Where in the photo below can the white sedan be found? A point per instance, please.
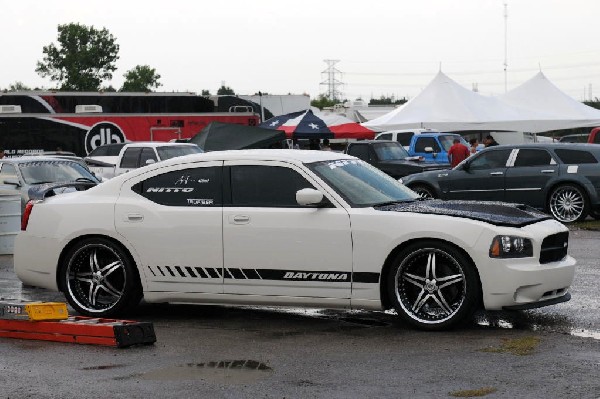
(290, 228)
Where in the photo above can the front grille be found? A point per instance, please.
(554, 247)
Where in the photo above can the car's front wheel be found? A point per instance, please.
(99, 278)
(424, 192)
(433, 286)
(568, 203)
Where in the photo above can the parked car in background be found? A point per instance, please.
(289, 228)
(561, 179)
(25, 173)
(134, 155)
(574, 138)
(403, 136)
(433, 147)
(390, 157)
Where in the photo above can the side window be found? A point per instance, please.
(99, 151)
(532, 157)
(131, 157)
(575, 156)
(197, 187)
(384, 136)
(404, 138)
(424, 142)
(266, 186)
(490, 160)
(7, 171)
(360, 151)
(147, 154)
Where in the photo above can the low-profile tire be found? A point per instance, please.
(99, 279)
(568, 203)
(424, 191)
(433, 285)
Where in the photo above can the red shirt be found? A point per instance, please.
(458, 153)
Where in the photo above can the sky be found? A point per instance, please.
(382, 47)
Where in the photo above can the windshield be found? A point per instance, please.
(54, 172)
(447, 140)
(168, 152)
(360, 184)
(390, 151)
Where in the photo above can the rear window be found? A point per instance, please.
(169, 152)
(575, 156)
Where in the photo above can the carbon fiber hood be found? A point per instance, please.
(496, 213)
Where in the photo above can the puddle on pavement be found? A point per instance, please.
(224, 372)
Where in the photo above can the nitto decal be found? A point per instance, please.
(200, 201)
(103, 133)
(170, 189)
(315, 276)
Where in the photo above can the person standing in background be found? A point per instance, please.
(457, 153)
(473, 143)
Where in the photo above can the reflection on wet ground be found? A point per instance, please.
(225, 371)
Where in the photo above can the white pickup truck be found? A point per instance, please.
(114, 159)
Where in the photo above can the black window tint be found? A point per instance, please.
(265, 186)
(113, 150)
(131, 157)
(404, 138)
(424, 142)
(575, 156)
(489, 160)
(101, 151)
(147, 154)
(187, 187)
(360, 151)
(532, 157)
(386, 136)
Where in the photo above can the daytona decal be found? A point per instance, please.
(263, 274)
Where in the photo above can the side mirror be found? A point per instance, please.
(13, 182)
(309, 197)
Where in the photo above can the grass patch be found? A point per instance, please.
(586, 225)
(518, 346)
(473, 393)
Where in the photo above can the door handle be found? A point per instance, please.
(135, 217)
(496, 173)
(548, 171)
(239, 219)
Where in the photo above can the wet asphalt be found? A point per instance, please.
(258, 352)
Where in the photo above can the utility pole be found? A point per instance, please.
(333, 84)
(505, 46)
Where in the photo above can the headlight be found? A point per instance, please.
(511, 247)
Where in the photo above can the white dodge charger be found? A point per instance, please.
(290, 228)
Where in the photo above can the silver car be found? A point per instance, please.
(25, 173)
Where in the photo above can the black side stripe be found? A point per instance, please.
(271, 274)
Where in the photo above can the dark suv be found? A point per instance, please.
(390, 157)
(561, 179)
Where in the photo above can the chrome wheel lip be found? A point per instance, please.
(98, 280)
(431, 286)
(567, 204)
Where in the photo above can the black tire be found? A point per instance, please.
(99, 279)
(424, 191)
(414, 287)
(568, 203)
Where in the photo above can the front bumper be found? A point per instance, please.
(566, 297)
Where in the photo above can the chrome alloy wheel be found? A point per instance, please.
(96, 277)
(567, 204)
(423, 192)
(430, 285)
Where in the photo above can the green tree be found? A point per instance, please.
(141, 78)
(225, 90)
(17, 86)
(205, 92)
(323, 101)
(82, 59)
(387, 101)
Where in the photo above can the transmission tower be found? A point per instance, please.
(331, 81)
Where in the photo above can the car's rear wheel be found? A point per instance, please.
(568, 203)
(433, 286)
(424, 192)
(99, 278)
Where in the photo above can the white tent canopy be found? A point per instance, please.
(446, 105)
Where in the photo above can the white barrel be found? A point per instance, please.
(10, 220)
